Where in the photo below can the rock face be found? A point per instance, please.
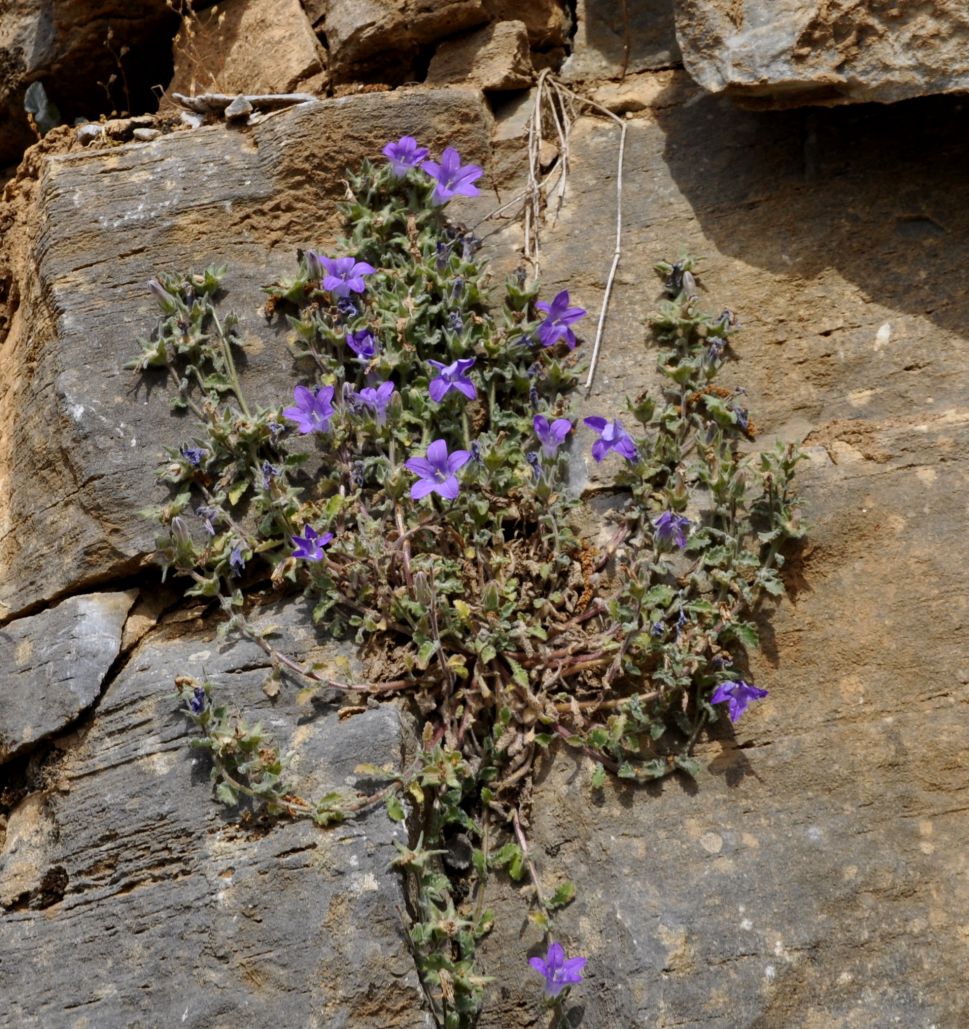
(65, 44)
(129, 895)
(842, 51)
(248, 46)
(80, 436)
(494, 59)
(815, 874)
(615, 39)
(54, 664)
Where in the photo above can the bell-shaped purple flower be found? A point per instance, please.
(737, 695)
(559, 318)
(376, 399)
(612, 436)
(436, 471)
(313, 409)
(404, 155)
(362, 344)
(450, 377)
(551, 436)
(672, 528)
(452, 178)
(341, 275)
(558, 970)
(310, 545)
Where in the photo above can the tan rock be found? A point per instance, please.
(359, 30)
(248, 46)
(547, 21)
(493, 59)
(843, 51)
(613, 39)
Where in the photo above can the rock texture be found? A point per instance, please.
(248, 46)
(815, 875)
(65, 44)
(54, 664)
(378, 40)
(493, 59)
(615, 39)
(132, 899)
(839, 51)
(79, 436)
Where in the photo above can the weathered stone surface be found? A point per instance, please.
(65, 44)
(547, 21)
(493, 58)
(614, 39)
(79, 436)
(816, 873)
(843, 51)
(378, 40)
(141, 902)
(248, 46)
(54, 663)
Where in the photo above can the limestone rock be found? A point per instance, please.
(613, 39)
(493, 59)
(130, 895)
(815, 873)
(377, 40)
(79, 436)
(547, 21)
(65, 45)
(845, 51)
(53, 665)
(248, 46)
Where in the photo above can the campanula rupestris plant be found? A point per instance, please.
(309, 546)
(551, 436)
(376, 399)
(451, 177)
(737, 695)
(672, 528)
(436, 472)
(452, 376)
(559, 319)
(312, 410)
(362, 344)
(558, 970)
(612, 436)
(343, 275)
(404, 155)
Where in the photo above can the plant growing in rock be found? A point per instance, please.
(415, 484)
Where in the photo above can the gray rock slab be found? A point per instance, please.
(53, 665)
(144, 903)
(815, 875)
(81, 436)
(801, 52)
(614, 39)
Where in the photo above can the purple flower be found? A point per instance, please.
(452, 178)
(343, 275)
(672, 527)
(558, 970)
(310, 545)
(362, 344)
(313, 410)
(197, 703)
(269, 472)
(193, 455)
(737, 695)
(612, 436)
(236, 561)
(404, 155)
(452, 377)
(436, 472)
(551, 436)
(208, 516)
(558, 317)
(377, 399)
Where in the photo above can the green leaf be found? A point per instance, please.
(563, 895)
(428, 650)
(225, 794)
(236, 490)
(395, 809)
(745, 633)
(598, 776)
